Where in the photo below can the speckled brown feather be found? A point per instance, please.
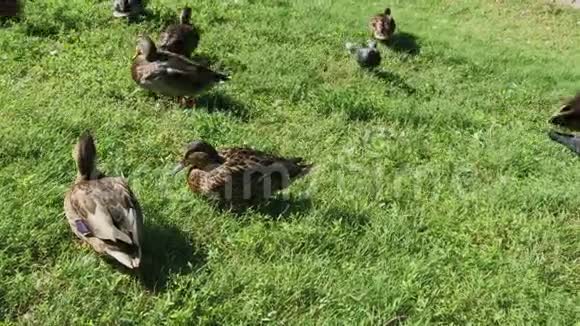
(110, 192)
(179, 38)
(173, 74)
(382, 26)
(246, 170)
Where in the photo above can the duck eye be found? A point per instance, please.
(566, 108)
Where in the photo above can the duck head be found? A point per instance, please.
(145, 48)
(198, 155)
(85, 155)
(569, 115)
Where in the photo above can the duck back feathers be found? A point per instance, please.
(182, 38)
(383, 25)
(246, 175)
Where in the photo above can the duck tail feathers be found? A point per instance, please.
(129, 261)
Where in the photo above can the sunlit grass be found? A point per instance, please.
(436, 194)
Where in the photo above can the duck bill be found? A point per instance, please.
(135, 55)
(180, 166)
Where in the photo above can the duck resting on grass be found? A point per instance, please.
(171, 74)
(569, 115)
(181, 38)
(383, 26)
(238, 176)
(366, 56)
(103, 211)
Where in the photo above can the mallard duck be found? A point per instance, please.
(169, 73)
(180, 38)
(366, 56)
(569, 115)
(383, 25)
(102, 211)
(238, 175)
(126, 8)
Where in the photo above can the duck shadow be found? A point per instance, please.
(60, 20)
(166, 251)
(403, 42)
(281, 207)
(216, 101)
(10, 11)
(394, 80)
(7, 22)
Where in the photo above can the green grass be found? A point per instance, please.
(437, 194)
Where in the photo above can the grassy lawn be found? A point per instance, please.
(436, 195)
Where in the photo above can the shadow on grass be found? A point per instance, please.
(276, 208)
(8, 21)
(279, 208)
(394, 80)
(403, 42)
(55, 20)
(41, 30)
(216, 101)
(283, 209)
(166, 251)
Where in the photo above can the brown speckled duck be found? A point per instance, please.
(170, 74)
(569, 115)
(181, 38)
(383, 26)
(238, 176)
(102, 211)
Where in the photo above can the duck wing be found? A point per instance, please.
(179, 38)
(263, 170)
(106, 210)
(179, 71)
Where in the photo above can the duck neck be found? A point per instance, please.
(184, 18)
(212, 163)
